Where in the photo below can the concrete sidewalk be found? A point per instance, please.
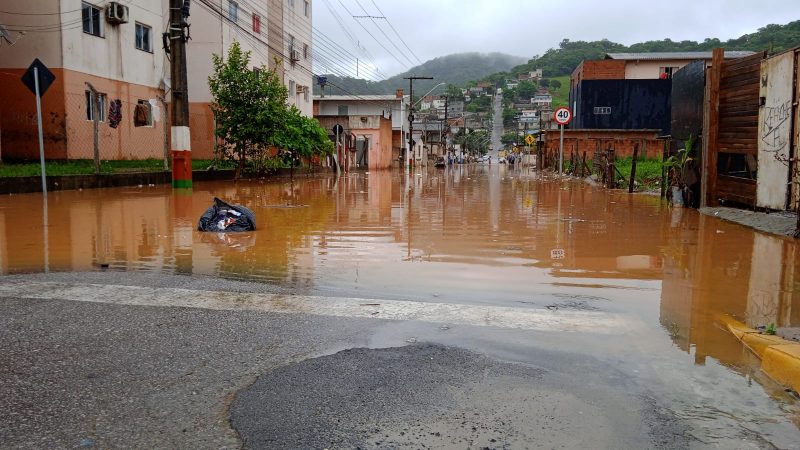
(782, 223)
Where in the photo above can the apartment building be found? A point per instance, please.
(298, 75)
(116, 48)
(105, 46)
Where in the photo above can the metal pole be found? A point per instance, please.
(95, 101)
(41, 133)
(561, 151)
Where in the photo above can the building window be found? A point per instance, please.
(604, 110)
(290, 3)
(92, 20)
(305, 51)
(292, 89)
(233, 11)
(256, 24)
(143, 114)
(306, 8)
(343, 110)
(92, 111)
(305, 93)
(666, 72)
(143, 37)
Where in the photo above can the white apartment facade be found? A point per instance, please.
(119, 53)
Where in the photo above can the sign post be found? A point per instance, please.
(562, 117)
(38, 79)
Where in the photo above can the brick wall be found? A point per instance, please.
(604, 69)
(622, 141)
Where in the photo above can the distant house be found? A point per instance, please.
(629, 90)
(512, 84)
(542, 99)
(534, 75)
(374, 127)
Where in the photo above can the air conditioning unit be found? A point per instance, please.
(116, 13)
(294, 55)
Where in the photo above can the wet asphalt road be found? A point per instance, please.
(79, 374)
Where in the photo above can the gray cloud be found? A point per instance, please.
(526, 28)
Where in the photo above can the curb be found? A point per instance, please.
(780, 358)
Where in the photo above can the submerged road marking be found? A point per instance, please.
(449, 313)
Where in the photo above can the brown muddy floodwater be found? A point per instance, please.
(480, 235)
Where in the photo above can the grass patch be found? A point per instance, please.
(86, 167)
(560, 96)
(648, 172)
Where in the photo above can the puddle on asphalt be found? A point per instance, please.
(481, 235)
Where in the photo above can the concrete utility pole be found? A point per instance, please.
(181, 138)
(411, 115)
(446, 128)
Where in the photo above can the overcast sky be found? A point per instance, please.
(525, 28)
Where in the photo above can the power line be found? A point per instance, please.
(395, 32)
(373, 36)
(364, 52)
(372, 18)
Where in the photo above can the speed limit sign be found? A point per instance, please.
(562, 115)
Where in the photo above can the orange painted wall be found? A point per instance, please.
(124, 142)
(18, 131)
(67, 132)
(201, 125)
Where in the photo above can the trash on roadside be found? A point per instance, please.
(224, 217)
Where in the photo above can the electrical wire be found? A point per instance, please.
(371, 18)
(395, 32)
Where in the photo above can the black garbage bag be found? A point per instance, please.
(222, 216)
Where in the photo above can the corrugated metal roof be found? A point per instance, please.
(674, 55)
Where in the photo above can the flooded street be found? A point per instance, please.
(622, 279)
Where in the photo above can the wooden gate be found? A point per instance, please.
(732, 162)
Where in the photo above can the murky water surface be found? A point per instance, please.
(477, 235)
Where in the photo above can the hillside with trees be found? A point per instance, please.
(564, 59)
(455, 69)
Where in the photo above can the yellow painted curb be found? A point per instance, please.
(780, 358)
(759, 343)
(782, 364)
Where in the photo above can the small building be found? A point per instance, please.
(653, 65)
(374, 127)
(542, 99)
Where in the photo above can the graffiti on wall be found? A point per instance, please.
(775, 123)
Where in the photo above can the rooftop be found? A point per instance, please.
(655, 56)
(356, 98)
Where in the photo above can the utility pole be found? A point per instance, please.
(181, 138)
(446, 128)
(411, 115)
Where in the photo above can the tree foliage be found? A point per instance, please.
(252, 117)
(566, 57)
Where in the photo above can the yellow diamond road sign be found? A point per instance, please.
(529, 139)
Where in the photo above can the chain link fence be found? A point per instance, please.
(121, 135)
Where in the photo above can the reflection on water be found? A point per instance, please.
(473, 234)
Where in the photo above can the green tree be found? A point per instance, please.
(509, 115)
(509, 138)
(301, 137)
(526, 89)
(249, 108)
(544, 82)
(555, 84)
